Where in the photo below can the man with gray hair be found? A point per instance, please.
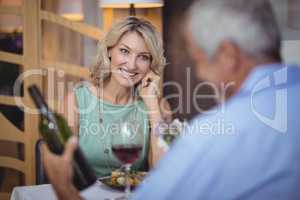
(248, 147)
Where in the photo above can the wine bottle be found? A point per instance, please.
(55, 131)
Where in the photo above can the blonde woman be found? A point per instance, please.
(125, 82)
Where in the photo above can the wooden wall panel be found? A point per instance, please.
(31, 56)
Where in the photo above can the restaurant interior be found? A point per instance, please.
(58, 39)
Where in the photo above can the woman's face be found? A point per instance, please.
(130, 60)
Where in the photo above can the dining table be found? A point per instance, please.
(97, 191)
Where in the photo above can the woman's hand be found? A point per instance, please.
(149, 90)
(158, 110)
(59, 170)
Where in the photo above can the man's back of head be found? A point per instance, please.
(249, 24)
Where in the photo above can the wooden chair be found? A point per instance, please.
(40, 172)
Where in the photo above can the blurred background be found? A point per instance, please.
(60, 37)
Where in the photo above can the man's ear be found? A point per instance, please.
(228, 56)
(197, 54)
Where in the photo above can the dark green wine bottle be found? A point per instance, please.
(55, 131)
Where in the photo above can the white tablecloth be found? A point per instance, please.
(45, 192)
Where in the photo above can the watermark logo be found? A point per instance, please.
(58, 90)
(279, 120)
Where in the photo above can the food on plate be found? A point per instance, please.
(117, 179)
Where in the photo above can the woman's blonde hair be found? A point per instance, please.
(100, 71)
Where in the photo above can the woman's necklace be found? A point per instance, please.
(100, 111)
(99, 106)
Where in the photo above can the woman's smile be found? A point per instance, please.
(127, 73)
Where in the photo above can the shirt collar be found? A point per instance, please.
(258, 73)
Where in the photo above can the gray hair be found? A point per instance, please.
(251, 25)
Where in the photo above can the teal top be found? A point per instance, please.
(94, 137)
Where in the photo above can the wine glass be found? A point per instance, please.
(127, 144)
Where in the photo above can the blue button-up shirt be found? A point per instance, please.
(247, 148)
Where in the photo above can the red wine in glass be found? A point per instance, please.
(127, 153)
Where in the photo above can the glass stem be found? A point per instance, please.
(127, 180)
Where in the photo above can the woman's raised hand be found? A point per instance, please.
(149, 89)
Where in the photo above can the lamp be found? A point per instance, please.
(71, 9)
(131, 4)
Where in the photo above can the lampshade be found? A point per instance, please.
(71, 9)
(126, 3)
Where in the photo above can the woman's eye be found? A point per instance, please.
(145, 57)
(124, 51)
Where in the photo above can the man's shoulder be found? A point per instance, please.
(264, 108)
